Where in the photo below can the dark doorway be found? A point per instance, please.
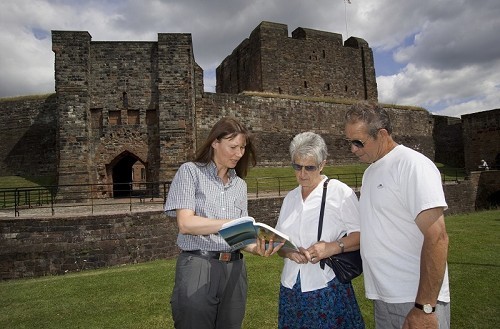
(123, 177)
(493, 200)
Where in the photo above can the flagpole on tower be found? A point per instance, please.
(345, 14)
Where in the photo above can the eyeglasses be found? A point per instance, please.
(298, 167)
(356, 142)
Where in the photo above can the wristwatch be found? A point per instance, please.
(427, 308)
(341, 245)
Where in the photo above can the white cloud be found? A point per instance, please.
(445, 53)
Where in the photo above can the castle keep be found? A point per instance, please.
(310, 63)
(128, 109)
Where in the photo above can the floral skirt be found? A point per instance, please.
(333, 307)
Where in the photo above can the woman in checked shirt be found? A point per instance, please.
(211, 282)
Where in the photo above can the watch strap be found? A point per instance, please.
(427, 308)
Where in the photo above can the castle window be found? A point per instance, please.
(125, 100)
(133, 117)
(305, 84)
(324, 53)
(327, 86)
(151, 117)
(96, 118)
(346, 88)
(115, 118)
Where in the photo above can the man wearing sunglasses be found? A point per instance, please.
(403, 242)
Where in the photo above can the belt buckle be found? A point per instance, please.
(225, 256)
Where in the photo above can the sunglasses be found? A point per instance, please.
(356, 142)
(298, 167)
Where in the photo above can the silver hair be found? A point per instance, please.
(372, 114)
(308, 145)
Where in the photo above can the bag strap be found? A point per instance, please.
(322, 211)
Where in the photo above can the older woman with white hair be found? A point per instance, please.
(312, 297)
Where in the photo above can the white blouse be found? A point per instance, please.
(299, 220)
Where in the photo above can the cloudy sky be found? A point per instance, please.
(443, 55)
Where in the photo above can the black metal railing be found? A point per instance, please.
(86, 197)
(98, 198)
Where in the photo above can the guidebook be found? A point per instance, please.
(243, 231)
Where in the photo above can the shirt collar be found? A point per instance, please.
(213, 171)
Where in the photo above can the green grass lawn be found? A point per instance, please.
(137, 296)
(265, 179)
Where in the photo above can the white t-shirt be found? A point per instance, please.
(395, 189)
(299, 220)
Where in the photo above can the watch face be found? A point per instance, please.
(427, 308)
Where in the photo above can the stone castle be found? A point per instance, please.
(128, 111)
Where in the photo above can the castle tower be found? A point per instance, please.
(72, 69)
(310, 63)
(126, 110)
(176, 101)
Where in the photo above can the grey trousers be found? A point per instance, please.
(389, 315)
(208, 294)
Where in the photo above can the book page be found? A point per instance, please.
(243, 231)
(268, 233)
(238, 221)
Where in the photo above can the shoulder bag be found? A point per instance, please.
(346, 265)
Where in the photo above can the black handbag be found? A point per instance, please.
(346, 265)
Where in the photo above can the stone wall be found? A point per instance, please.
(481, 134)
(486, 188)
(275, 120)
(28, 137)
(36, 247)
(448, 141)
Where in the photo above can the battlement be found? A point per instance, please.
(309, 63)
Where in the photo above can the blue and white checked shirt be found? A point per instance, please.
(197, 187)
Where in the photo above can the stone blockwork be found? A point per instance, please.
(36, 247)
(275, 120)
(486, 188)
(28, 137)
(481, 134)
(448, 141)
(109, 100)
(309, 63)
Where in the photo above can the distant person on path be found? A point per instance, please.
(210, 287)
(484, 165)
(404, 244)
(312, 297)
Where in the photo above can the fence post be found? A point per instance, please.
(257, 188)
(16, 201)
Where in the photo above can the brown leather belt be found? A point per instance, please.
(222, 256)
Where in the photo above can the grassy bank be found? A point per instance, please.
(137, 296)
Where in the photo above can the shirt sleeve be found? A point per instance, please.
(344, 204)
(182, 192)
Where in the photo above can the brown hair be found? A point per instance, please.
(229, 128)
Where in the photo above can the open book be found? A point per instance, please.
(243, 231)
